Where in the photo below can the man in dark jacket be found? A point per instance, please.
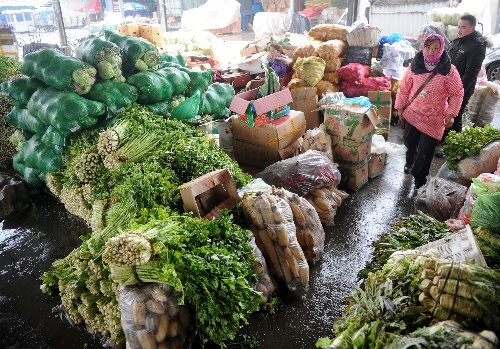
(467, 53)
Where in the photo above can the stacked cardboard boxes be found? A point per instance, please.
(151, 32)
(264, 145)
(276, 5)
(382, 100)
(305, 99)
(351, 128)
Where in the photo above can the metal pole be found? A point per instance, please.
(162, 15)
(56, 6)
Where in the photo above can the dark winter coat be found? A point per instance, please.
(467, 54)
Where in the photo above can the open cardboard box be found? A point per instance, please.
(263, 110)
(260, 157)
(350, 121)
(353, 177)
(276, 135)
(207, 195)
(305, 99)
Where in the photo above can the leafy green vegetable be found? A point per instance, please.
(469, 142)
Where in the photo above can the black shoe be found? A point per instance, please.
(419, 185)
(439, 154)
(407, 169)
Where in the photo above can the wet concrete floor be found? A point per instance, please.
(31, 242)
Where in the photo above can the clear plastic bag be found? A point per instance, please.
(484, 103)
(318, 139)
(440, 198)
(275, 235)
(266, 285)
(325, 201)
(151, 317)
(309, 230)
(303, 173)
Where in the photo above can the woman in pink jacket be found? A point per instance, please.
(425, 114)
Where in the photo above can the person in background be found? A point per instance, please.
(278, 61)
(430, 110)
(466, 53)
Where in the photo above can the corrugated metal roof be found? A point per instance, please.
(406, 19)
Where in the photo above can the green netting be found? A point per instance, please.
(104, 55)
(139, 52)
(19, 90)
(66, 111)
(160, 108)
(178, 78)
(199, 80)
(216, 99)
(40, 156)
(187, 109)
(177, 59)
(115, 95)
(22, 118)
(152, 87)
(31, 175)
(486, 212)
(53, 136)
(60, 71)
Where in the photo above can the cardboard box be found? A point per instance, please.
(122, 29)
(260, 157)
(9, 51)
(305, 99)
(207, 195)
(376, 164)
(253, 47)
(353, 177)
(253, 64)
(263, 110)
(351, 152)
(133, 30)
(382, 100)
(276, 135)
(151, 32)
(354, 122)
(460, 247)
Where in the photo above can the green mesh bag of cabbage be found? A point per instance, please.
(19, 90)
(68, 112)
(60, 71)
(104, 55)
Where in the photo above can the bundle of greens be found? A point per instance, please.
(9, 67)
(60, 71)
(469, 142)
(209, 262)
(489, 243)
(104, 55)
(410, 232)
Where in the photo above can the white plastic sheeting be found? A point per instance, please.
(268, 24)
(214, 14)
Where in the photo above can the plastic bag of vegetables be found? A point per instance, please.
(31, 176)
(66, 111)
(139, 53)
(22, 118)
(178, 59)
(60, 71)
(199, 80)
(38, 155)
(158, 86)
(216, 99)
(114, 94)
(104, 55)
(19, 90)
(151, 317)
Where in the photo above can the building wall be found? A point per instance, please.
(406, 19)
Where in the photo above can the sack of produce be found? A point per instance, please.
(59, 71)
(486, 210)
(151, 317)
(325, 87)
(359, 88)
(331, 49)
(38, 155)
(160, 108)
(55, 137)
(19, 90)
(199, 80)
(66, 111)
(297, 83)
(318, 139)
(306, 50)
(138, 53)
(303, 173)
(332, 76)
(276, 238)
(188, 109)
(440, 198)
(266, 285)
(216, 99)
(177, 77)
(353, 72)
(104, 55)
(31, 176)
(177, 59)
(325, 201)
(325, 32)
(114, 94)
(309, 230)
(310, 69)
(25, 121)
(484, 104)
(333, 64)
(158, 86)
